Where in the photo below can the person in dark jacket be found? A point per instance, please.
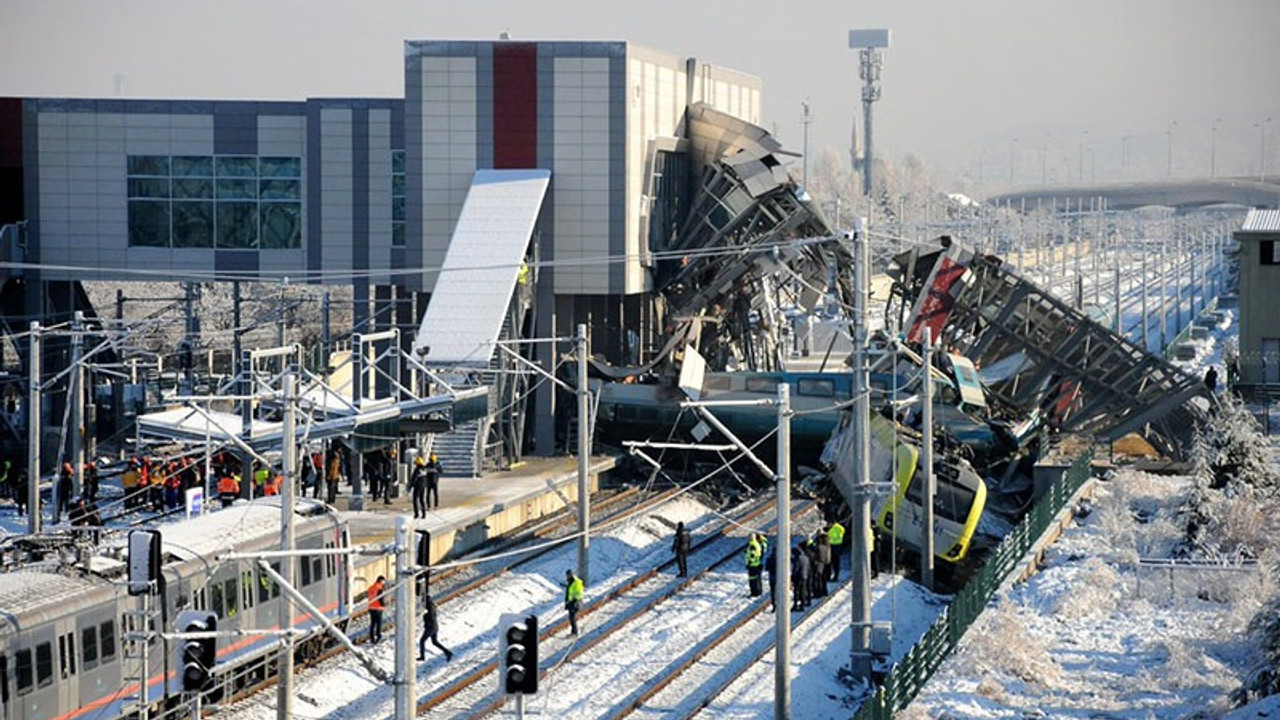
(771, 570)
(418, 487)
(680, 546)
(431, 631)
(800, 578)
(822, 561)
(434, 470)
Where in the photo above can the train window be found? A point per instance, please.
(264, 586)
(306, 572)
(950, 501)
(718, 382)
(331, 568)
(89, 647)
(275, 587)
(4, 680)
(107, 641)
(317, 568)
(815, 387)
(44, 664)
(215, 591)
(762, 385)
(229, 594)
(246, 585)
(22, 671)
(67, 655)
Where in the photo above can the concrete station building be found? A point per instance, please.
(369, 191)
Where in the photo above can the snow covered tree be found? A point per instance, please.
(1263, 679)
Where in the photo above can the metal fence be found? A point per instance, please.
(908, 675)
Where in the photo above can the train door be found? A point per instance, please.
(36, 691)
(96, 644)
(67, 672)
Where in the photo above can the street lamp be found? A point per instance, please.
(1213, 148)
(1169, 132)
(1262, 148)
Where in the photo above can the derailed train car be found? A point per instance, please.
(65, 647)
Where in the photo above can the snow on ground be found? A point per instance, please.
(1092, 635)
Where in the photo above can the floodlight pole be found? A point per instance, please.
(868, 43)
(584, 450)
(860, 527)
(288, 455)
(33, 429)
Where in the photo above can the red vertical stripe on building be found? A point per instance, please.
(515, 105)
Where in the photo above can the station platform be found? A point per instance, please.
(472, 511)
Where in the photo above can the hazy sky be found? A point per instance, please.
(961, 81)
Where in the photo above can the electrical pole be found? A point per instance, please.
(406, 614)
(584, 451)
(246, 421)
(75, 396)
(860, 527)
(807, 118)
(355, 459)
(33, 430)
(288, 456)
(926, 460)
(782, 555)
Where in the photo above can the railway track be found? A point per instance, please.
(615, 614)
(255, 677)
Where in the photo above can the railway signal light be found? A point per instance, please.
(198, 655)
(518, 653)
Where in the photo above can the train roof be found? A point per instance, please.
(231, 528)
(24, 591)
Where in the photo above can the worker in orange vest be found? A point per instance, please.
(228, 489)
(376, 607)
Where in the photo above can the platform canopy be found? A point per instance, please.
(481, 268)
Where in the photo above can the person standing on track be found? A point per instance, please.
(431, 631)
(573, 587)
(680, 546)
(376, 608)
(755, 563)
(835, 536)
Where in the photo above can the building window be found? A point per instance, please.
(1269, 252)
(398, 194)
(208, 201)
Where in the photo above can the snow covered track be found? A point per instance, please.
(575, 671)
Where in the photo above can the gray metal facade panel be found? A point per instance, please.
(235, 261)
(314, 244)
(484, 106)
(31, 173)
(235, 133)
(411, 140)
(546, 149)
(617, 172)
(360, 189)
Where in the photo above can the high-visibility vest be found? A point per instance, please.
(836, 534)
(574, 590)
(375, 596)
(227, 485)
(753, 553)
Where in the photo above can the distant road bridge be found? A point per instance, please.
(1179, 194)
